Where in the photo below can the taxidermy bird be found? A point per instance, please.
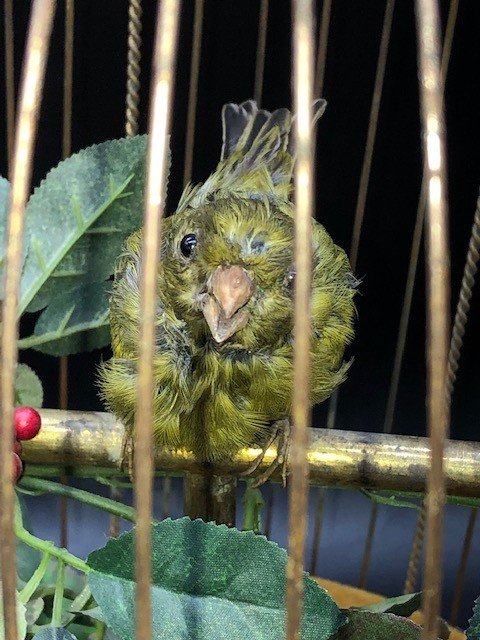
(223, 359)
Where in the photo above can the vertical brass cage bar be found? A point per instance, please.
(367, 164)
(38, 39)
(261, 50)
(9, 78)
(372, 133)
(132, 100)
(367, 552)
(358, 222)
(322, 48)
(302, 84)
(134, 43)
(459, 324)
(415, 249)
(415, 553)
(318, 92)
(193, 91)
(462, 567)
(438, 287)
(317, 530)
(66, 151)
(407, 301)
(163, 70)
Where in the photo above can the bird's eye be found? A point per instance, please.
(291, 277)
(188, 244)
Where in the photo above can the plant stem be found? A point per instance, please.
(48, 547)
(100, 628)
(253, 504)
(29, 589)
(81, 600)
(58, 597)
(106, 504)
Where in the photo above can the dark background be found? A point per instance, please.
(227, 75)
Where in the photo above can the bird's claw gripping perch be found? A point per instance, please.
(126, 456)
(281, 431)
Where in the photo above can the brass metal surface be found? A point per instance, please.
(462, 567)
(163, 77)
(415, 552)
(38, 39)
(302, 89)
(338, 458)
(358, 224)
(193, 91)
(69, 25)
(417, 544)
(261, 50)
(8, 35)
(322, 48)
(134, 55)
(438, 297)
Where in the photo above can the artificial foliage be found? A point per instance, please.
(473, 631)
(208, 581)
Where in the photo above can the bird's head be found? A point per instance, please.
(229, 273)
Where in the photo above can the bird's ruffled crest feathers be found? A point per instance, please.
(257, 156)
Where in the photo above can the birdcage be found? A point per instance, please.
(412, 475)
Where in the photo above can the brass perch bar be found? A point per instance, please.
(338, 458)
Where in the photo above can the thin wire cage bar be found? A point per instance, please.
(431, 85)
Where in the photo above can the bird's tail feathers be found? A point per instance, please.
(254, 137)
(257, 156)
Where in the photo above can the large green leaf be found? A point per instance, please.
(473, 631)
(74, 321)
(400, 605)
(366, 625)
(209, 583)
(28, 388)
(4, 196)
(78, 218)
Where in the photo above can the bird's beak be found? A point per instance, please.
(229, 290)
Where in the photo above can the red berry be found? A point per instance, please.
(17, 467)
(17, 447)
(27, 422)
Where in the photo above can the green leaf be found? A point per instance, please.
(21, 620)
(34, 609)
(27, 558)
(390, 499)
(74, 321)
(400, 606)
(74, 581)
(28, 388)
(366, 625)
(4, 198)
(473, 631)
(79, 217)
(253, 504)
(83, 632)
(208, 582)
(53, 634)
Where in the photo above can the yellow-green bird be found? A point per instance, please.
(224, 348)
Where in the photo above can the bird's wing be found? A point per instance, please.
(172, 355)
(257, 156)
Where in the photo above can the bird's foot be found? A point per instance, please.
(259, 459)
(126, 455)
(281, 430)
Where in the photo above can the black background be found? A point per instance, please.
(227, 74)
